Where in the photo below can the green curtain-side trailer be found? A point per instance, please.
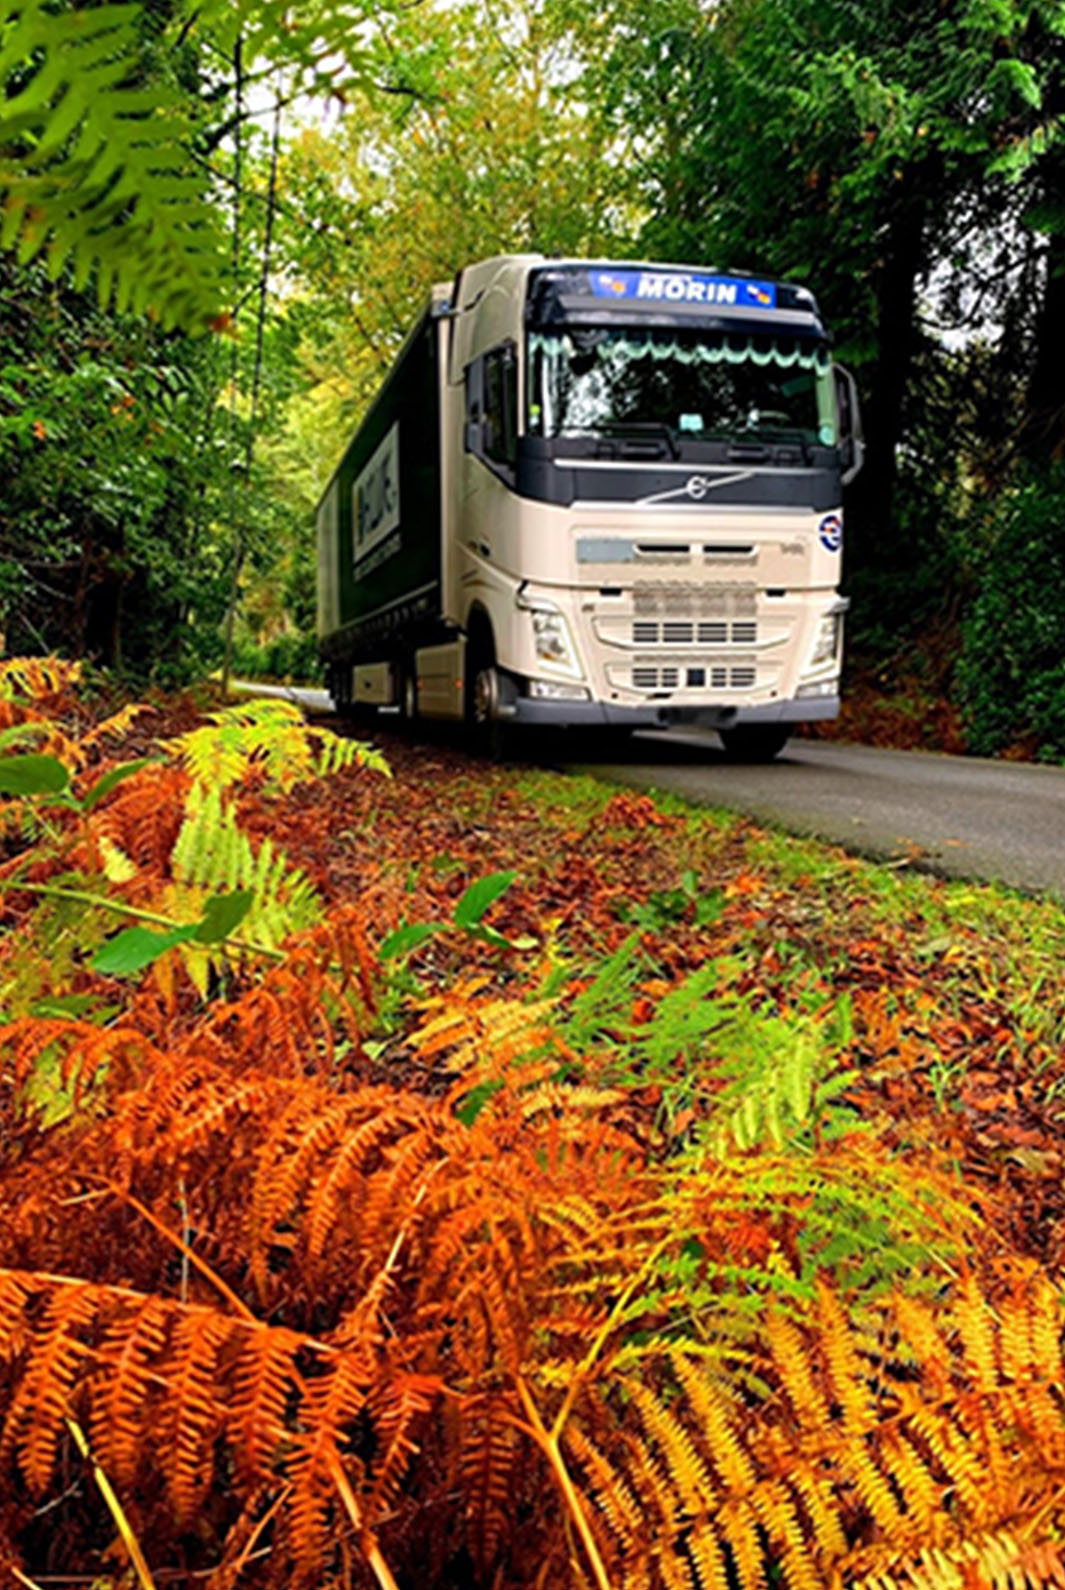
(379, 519)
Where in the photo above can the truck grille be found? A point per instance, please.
(718, 676)
(644, 678)
(688, 632)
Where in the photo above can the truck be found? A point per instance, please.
(596, 495)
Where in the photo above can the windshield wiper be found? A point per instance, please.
(649, 430)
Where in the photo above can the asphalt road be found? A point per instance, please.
(961, 816)
(967, 818)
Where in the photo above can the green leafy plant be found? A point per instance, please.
(687, 902)
(467, 917)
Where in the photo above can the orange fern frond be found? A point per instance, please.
(122, 1398)
(56, 1352)
(194, 1413)
(265, 1380)
(490, 1450)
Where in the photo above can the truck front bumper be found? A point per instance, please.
(598, 714)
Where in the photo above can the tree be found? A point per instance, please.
(475, 142)
(872, 150)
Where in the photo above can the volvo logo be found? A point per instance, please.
(697, 487)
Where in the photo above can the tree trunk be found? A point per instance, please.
(872, 498)
(1042, 437)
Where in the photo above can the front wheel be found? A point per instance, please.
(754, 742)
(485, 732)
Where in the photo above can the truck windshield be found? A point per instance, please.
(700, 385)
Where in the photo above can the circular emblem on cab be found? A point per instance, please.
(696, 487)
(831, 532)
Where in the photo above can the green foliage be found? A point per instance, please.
(272, 738)
(1011, 672)
(286, 658)
(94, 167)
(687, 902)
(32, 775)
(135, 948)
(114, 471)
(468, 917)
(98, 160)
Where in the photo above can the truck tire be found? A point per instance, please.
(756, 743)
(484, 730)
(408, 692)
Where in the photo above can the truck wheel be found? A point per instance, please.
(408, 692)
(335, 683)
(484, 730)
(756, 743)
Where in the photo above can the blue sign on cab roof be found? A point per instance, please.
(683, 287)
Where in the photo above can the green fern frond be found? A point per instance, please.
(94, 169)
(213, 855)
(271, 737)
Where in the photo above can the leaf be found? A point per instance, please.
(407, 938)
(480, 896)
(222, 914)
(118, 867)
(135, 948)
(476, 1099)
(79, 1007)
(116, 776)
(19, 733)
(32, 775)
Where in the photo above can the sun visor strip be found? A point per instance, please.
(551, 310)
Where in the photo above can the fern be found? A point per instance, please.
(212, 855)
(844, 1473)
(93, 163)
(267, 737)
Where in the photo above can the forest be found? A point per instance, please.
(424, 1173)
(218, 225)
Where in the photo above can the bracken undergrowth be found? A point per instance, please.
(419, 1174)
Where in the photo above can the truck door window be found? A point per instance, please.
(501, 404)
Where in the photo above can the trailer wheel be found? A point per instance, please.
(754, 742)
(408, 692)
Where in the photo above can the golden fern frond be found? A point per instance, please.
(333, 1404)
(792, 1362)
(776, 1512)
(37, 678)
(397, 1409)
(727, 1451)
(270, 738)
(997, 1560)
(116, 724)
(482, 1039)
(194, 1414)
(688, 1473)
(265, 1381)
(972, 1316)
(848, 1374)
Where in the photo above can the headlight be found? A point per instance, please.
(826, 646)
(552, 641)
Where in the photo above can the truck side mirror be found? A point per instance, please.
(851, 438)
(473, 442)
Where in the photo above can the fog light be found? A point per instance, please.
(548, 690)
(824, 687)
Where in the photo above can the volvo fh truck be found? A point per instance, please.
(596, 495)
